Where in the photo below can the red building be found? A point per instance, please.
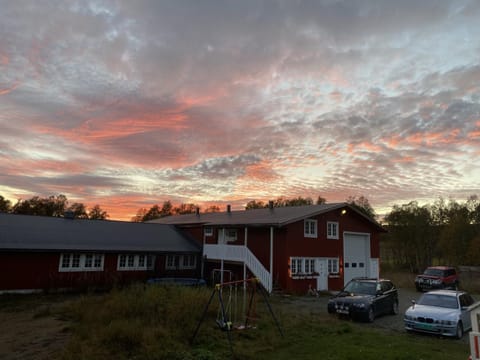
(322, 246)
(44, 253)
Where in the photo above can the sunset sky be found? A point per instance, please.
(127, 104)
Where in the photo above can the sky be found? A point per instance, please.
(127, 104)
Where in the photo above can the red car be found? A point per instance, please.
(437, 277)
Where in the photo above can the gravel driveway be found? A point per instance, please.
(314, 305)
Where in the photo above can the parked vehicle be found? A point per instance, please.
(437, 277)
(365, 299)
(442, 312)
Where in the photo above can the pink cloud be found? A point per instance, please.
(9, 89)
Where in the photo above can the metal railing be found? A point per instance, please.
(242, 254)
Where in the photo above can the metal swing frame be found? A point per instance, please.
(227, 324)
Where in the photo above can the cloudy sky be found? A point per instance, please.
(127, 104)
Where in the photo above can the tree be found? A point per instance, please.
(96, 213)
(253, 204)
(362, 204)
(79, 211)
(5, 205)
(411, 236)
(321, 200)
(185, 209)
(51, 206)
(212, 209)
(456, 231)
(140, 215)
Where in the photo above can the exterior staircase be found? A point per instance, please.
(240, 253)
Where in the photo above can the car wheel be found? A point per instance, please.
(370, 315)
(459, 332)
(394, 310)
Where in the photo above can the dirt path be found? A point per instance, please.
(31, 331)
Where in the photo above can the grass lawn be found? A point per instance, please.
(158, 322)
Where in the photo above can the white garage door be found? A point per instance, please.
(356, 255)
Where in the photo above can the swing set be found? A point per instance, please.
(230, 311)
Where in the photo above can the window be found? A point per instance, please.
(310, 229)
(295, 266)
(141, 261)
(189, 261)
(302, 266)
(88, 260)
(309, 266)
(171, 262)
(332, 265)
(80, 262)
(230, 235)
(75, 261)
(208, 231)
(65, 261)
(180, 262)
(129, 262)
(332, 230)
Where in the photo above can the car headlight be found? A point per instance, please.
(444, 322)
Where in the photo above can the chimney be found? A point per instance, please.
(197, 211)
(229, 208)
(270, 205)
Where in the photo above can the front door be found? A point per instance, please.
(322, 279)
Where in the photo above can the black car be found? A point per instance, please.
(365, 299)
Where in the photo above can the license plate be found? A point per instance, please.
(424, 326)
(342, 311)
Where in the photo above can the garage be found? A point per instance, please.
(356, 255)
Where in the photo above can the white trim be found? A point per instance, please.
(178, 262)
(332, 230)
(67, 264)
(135, 262)
(308, 231)
(301, 266)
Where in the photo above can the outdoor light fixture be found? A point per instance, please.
(344, 211)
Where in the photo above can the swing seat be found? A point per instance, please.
(224, 325)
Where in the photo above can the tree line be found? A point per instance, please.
(56, 206)
(167, 208)
(445, 232)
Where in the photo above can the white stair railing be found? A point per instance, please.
(240, 254)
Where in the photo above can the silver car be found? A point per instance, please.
(442, 312)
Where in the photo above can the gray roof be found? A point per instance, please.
(24, 232)
(278, 216)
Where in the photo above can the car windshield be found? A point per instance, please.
(438, 300)
(434, 272)
(361, 287)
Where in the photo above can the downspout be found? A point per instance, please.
(271, 258)
(244, 264)
(223, 255)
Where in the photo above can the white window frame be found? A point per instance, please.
(230, 235)
(208, 231)
(310, 228)
(302, 266)
(135, 262)
(180, 262)
(296, 266)
(332, 230)
(333, 266)
(76, 262)
(171, 262)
